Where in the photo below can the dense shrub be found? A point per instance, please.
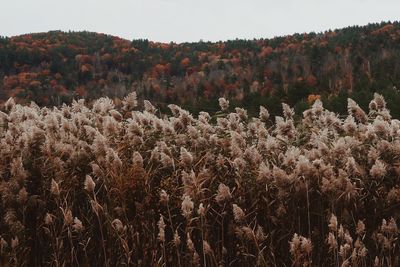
(108, 185)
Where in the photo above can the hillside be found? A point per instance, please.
(56, 67)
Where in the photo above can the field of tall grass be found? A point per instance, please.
(112, 185)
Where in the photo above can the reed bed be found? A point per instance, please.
(115, 185)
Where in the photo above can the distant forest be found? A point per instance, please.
(56, 67)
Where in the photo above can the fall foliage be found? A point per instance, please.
(55, 67)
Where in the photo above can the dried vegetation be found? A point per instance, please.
(110, 185)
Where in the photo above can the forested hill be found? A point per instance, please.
(56, 67)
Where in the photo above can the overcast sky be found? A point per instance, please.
(191, 20)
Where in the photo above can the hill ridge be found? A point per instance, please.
(54, 67)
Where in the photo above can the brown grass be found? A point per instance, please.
(113, 186)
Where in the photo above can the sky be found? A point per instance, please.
(192, 20)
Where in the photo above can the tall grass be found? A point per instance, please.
(110, 185)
